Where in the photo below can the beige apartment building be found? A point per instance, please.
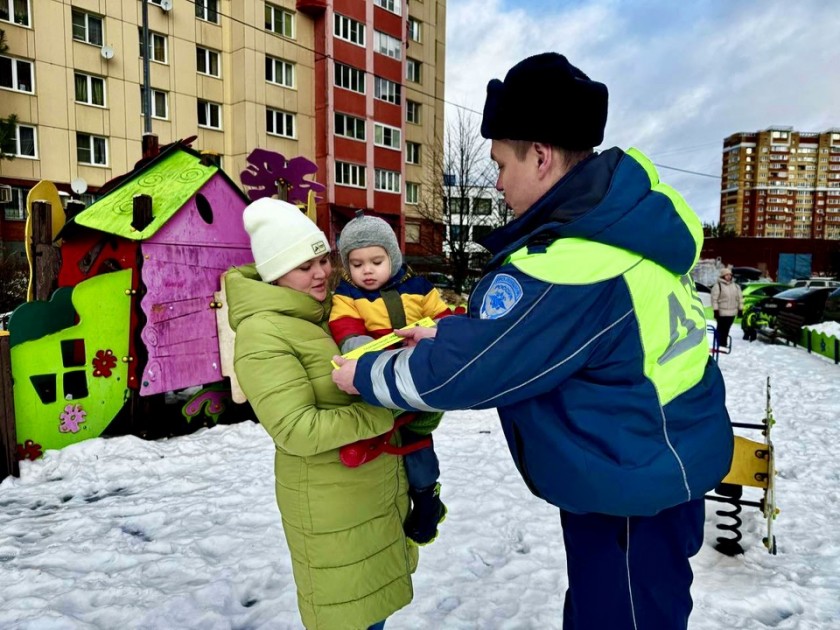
(234, 74)
(781, 183)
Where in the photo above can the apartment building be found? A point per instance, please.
(379, 77)
(781, 183)
(354, 85)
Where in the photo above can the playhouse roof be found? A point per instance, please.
(170, 179)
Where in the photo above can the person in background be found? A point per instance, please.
(727, 302)
(587, 334)
(377, 294)
(351, 561)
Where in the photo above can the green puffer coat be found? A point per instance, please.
(344, 526)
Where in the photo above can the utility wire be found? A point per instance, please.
(683, 170)
(321, 55)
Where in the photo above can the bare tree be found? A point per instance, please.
(463, 197)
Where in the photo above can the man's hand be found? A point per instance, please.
(413, 335)
(344, 375)
(717, 314)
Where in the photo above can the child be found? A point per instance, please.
(376, 295)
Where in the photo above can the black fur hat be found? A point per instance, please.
(546, 99)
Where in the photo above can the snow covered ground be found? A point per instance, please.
(184, 533)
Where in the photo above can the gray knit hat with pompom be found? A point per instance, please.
(365, 231)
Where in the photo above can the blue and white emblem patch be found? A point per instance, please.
(501, 297)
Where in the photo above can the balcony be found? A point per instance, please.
(313, 8)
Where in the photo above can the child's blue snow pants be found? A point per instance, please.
(631, 573)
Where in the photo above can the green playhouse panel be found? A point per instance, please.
(70, 384)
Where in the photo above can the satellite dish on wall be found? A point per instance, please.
(107, 52)
(78, 186)
(166, 5)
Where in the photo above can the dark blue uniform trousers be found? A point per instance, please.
(631, 573)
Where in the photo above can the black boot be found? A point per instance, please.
(427, 510)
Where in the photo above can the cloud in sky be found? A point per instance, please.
(682, 75)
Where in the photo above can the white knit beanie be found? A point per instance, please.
(282, 237)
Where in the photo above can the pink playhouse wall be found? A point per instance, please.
(182, 264)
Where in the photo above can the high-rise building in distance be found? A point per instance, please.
(781, 183)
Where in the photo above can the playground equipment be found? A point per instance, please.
(137, 311)
(753, 465)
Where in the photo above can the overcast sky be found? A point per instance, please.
(682, 75)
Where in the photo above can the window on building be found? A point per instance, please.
(16, 209)
(412, 194)
(349, 30)
(280, 21)
(386, 181)
(415, 30)
(412, 152)
(207, 61)
(90, 90)
(454, 232)
(157, 45)
(387, 91)
(347, 174)
(207, 10)
(209, 115)
(412, 230)
(17, 74)
(480, 231)
(482, 206)
(349, 127)
(87, 27)
(349, 78)
(279, 71)
(91, 149)
(412, 112)
(160, 103)
(394, 6)
(385, 136)
(386, 45)
(413, 70)
(280, 123)
(15, 11)
(22, 143)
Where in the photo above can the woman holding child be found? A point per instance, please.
(344, 526)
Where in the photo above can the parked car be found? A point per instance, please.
(816, 282)
(803, 302)
(754, 292)
(832, 307)
(440, 280)
(705, 295)
(743, 275)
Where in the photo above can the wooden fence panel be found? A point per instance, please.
(8, 436)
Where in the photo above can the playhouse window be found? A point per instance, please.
(44, 385)
(73, 352)
(75, 385)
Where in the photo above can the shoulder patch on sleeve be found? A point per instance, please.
(500, 298)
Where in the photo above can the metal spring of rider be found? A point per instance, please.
(730, 546)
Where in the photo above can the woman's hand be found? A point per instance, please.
(344, 375)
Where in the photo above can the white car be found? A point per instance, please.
(812, 283)
(705, 294)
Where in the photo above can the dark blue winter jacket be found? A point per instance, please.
(586, 332)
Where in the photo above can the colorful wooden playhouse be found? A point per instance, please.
(136, 311)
